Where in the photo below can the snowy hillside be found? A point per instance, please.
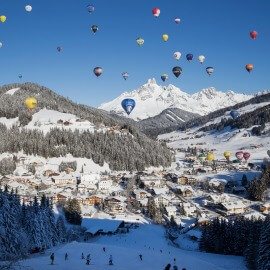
(151, 99)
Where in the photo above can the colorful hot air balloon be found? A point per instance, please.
(202, 157)
(90, 9)
(249, 67)
(125, 75)
(234, 114)
(253, 34)
(165, 37)
(140, 41)
(209, 70)
(177, 20)
(210, 157)
(239, 155)
(177, 55)
(227, 155)
(201, 58)
(94, 28)
(128, 105)
(31, 103)
(164, 77)
(28, 8)
(246, 156)
(189, 57)
(177, 71)
(156, 12)
(59, 49)
(98, 71)
(3, 18)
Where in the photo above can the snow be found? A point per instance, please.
(8, 122)
(12, 91)
(151, 99)
(147, 240)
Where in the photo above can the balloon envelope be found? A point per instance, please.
(128, 105)
(156, 12)
(28, 8)
(59, 49)
(97, 71)
(164, 77)
(246, 155)
(253, 34)
(31, 103)
(189, 57)
(140, 41)
(234, 114)
(1, 44)
(94, 28)
(177, 55)
(177, 71)
(3, 18)
(209, 70)
(177, 20)
(239, 155)
(201, 58)
(165, 37)
(249, 67)
(20, 76)
(210, 157)
(125, 75)
(90, 8)
(227, 155)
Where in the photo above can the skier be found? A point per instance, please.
(82, 256)
(88, 259)
(52, 258)
(168, 267)
(104, 249)
(140, 256)
(111, 260)
(66, 256)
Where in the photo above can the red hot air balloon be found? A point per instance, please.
(156, 12)
(239, 155)
(253, 34)
(249, 67)
(246, 156)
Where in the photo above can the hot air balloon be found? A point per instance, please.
(202, 157)
(28, 8)
(253, 34)
(189, 57)
(177, 55)
(98, 71)
(177, 20)
(156, 12)
(239, 155)
(210, 157)
(3, 18)
(209, 70)
(20, 76)
(31, 103)
(234, 114)
(94, 28)
(246, 156)
(227, 155)
(164, 77)
(268, 153)
(90, 9)
(125, 75)
(140, 41)
(249, 67)
(177, 71)
(128, 105)
(1, 45)
(165, 37)
(59, 49)
(201, 58)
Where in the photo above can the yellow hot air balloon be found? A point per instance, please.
(3, 18)
(210, 157)
(227, 155)
(31, 103)
(165, 37)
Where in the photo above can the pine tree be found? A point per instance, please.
(73, 212)
(264, 246)
(61, 230)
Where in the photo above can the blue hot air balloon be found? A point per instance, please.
(125, 75)
(234, 114)
(90, 8)
(128, 105)
(189, 57)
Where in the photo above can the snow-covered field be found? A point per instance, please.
(147, 240)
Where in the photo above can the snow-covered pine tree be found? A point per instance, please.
(61, 230)
(264, 246)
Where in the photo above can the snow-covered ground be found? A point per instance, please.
(147, 240)
(12, 91)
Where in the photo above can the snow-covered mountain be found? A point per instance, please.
(151, 99)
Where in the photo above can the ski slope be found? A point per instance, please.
(147, 240)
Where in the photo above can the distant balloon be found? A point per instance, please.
(227, 155)
(20, 76)
(125, 75)
(249, 67)
(164, 77)
(28, 8)
(90, 9)
(177, 71)
(1, 45)
(59, 49)
(189, 57)
(234, 114)
(177, 55)
(31, 103)
(201, 58)
(156, 12)
(140, 41)
(94, 28)
(165, 37)
(202, 157)
(239, 155)
(3, 18)
(268, 153)
(177, 20)
(253, 34)
(98, 71)
(246, 156)
(128, 105)
(210, 157)
(209, 70)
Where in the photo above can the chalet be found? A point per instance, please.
(105, 184)
(141, 194)
(171, 211)
(189, 209)
(94, 200)
(152, 181)
(161, 200)
(186, 191)
(216, 199)
(58, 198)
(69, 171)
(183, 180)
(233, 208)
(204, 222)
(65, 179)
(265, 207)
(90, 178)
(118, 208)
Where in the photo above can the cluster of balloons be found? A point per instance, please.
(242, 155)
(253, 35)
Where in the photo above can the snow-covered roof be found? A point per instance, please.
(233, 205)
(195, 233)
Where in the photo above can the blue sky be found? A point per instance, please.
(217, 29)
